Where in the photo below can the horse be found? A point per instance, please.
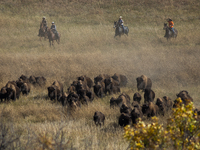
(169, 33)
(119, 29)
(51, 36)
(42, 31)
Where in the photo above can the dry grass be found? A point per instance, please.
(88, 48)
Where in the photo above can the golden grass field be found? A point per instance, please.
(88, 47)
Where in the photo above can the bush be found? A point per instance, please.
(181, 132)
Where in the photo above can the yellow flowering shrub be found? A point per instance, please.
(181, 132)
(183, 128)
(143, 136)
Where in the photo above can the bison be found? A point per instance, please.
(98, 118)
(185, 97)
(6, 94)
(125, 109)
(149, 109)
(137, 97)
(15, 90)
(136, 113)
(24, 86)
(122, 99)
(101, 77)
(143, 82)
(55, 91)
(149, 95)
(87, 80)
(122, 79)
(99, 89)
(161, 106)
(110, 83)
(168, 103)
(124, 119)
(37, 81)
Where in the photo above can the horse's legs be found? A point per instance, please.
(49, 42)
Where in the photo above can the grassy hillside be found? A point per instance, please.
(88, 47)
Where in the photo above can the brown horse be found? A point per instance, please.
(52, 37)
(42, 31)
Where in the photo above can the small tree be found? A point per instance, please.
(183, 128)
(182, 131)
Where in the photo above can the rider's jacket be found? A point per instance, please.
(44, 22)
(120, 22)
(171, 24)
(53, 27)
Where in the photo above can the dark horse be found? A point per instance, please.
(169, 33)
(119, 30)
(51, 36)
(42, 31)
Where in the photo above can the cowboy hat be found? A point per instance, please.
(120, 17)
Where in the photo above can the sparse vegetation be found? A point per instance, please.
(88, 47)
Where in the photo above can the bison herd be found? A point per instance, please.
(13, 89)
(83, 90)
(131, 110)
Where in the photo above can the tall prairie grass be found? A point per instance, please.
(88, 47)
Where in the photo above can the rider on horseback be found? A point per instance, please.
(44, 22)
(53, 27)
(171, 25)
(120, 22)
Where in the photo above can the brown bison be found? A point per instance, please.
(149, 95)
(98, 118)
(63, 99)
(73, 100)
(124, 119)
(81, 85)
(16, 91)
(149, 109)
(87, 80)
(6, 94)
(101, 77)
(137, 97)
(37, 81)
(143, 82)
(161, 106)
(122, 79)
(24, 86)
(136, 113)
(99, 89)
(168, 102)
(24, 78)
(185, 97)
(110, 84)
(122, 99)
(55, 91)
(196, 114)
(125, 109)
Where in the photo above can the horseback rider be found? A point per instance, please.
(44, 22)
(53, 28)
(171, 25)
(120, 22)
